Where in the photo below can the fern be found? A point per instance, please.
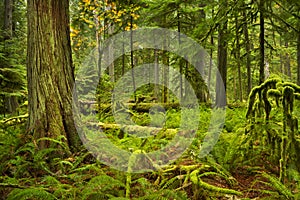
(30, 193)
(173, 183)
(102, 184)
(165, 194)
(278, 186)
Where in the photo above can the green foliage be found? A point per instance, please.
(279, 134)
(34, 193)
(278, 186)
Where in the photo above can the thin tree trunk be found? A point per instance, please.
(165, 60)
(156, 75)
(11, 102)
(261, 42)
(111, 54)
(180, 61)
(238, 59)
(211, 56)
(281, 58)
(298, 56)
(248, 53)
(123, 55)
(8, 20)
(165, 77)
(50, 72)
(132, 59)
(287, 62)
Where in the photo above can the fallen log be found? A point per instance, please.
(144, 107)
(141, 131)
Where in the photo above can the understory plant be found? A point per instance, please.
(272, 124)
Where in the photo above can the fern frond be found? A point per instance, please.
(278, 186)
(102, 184)
(218, 189)
(30, 193)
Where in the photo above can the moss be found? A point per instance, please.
(282, 143)
(218, 189)
(274, 93)
(292, 85)
(251, 101)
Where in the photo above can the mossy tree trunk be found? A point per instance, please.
(298, 55)
(50, 73)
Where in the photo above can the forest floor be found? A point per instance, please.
(229, 172)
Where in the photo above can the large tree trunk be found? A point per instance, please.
(50, 72)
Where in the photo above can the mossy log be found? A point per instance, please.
(140, 131)
(145, 107)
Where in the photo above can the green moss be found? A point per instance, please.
(282, 143)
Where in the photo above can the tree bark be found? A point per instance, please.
(11, 101)
(222, 63)
(287, 62)
(238, 59)
(298, 56)
(248, 53)
(262, 42)
(165, 78)
(8, 20)
(50, 72)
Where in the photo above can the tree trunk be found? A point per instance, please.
(50, 72)
(298, 56)
(287, 62)
(165, 77)
(211, 55)
(156, 75)
(11, 102)
(248, 52)
(222, 63)
(111, 54)
(238, 59)
(8, 21)
(131, 57)
(261, 42)
(180, 59)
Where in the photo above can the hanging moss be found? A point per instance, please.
(292, 85)
(284, 144)
(297, 96)
(251, 101)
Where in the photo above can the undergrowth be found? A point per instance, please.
(228, 172)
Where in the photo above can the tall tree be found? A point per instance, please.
(50, 72)
(248, 49)
(11, 102)
(261, 8)
(298, 53)
(222, 57)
